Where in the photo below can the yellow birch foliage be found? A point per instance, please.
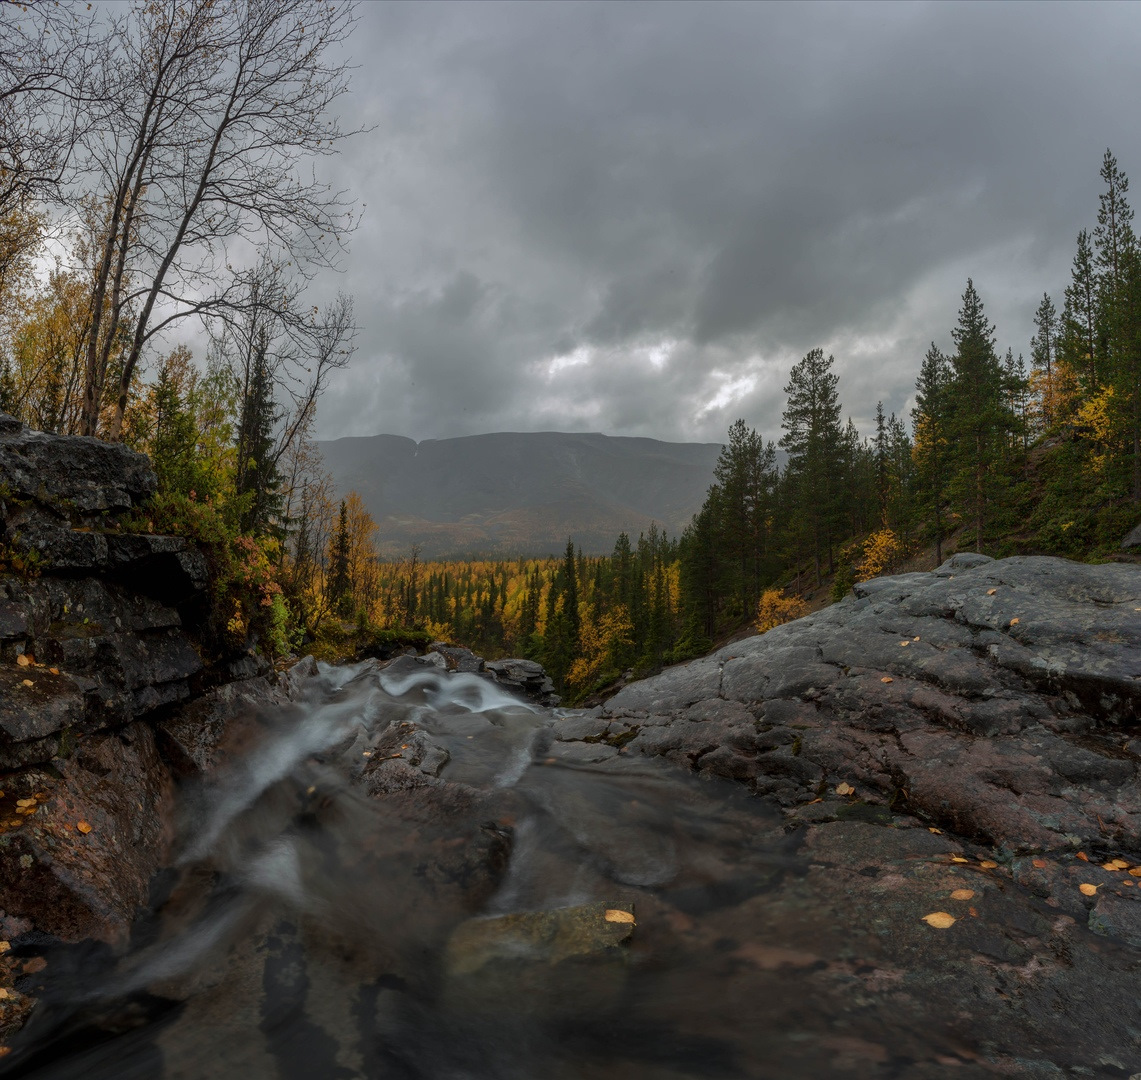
(1097, 421)
(881, 550)
(776, 608)
(599, 641)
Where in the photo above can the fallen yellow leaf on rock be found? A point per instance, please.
(1119, 864)
(988, 864)
(28, 682)
(973, 912)
(3, 993)
(916, 638)
(1013, 622)
(957, 858)
(886, 678)
(845, 789)
(963, 894)
(24, 661)
(1136, 871)
(1086, 889)
(25, 802)
(931, 828)
(1041, 864)
(618, 915)
(54, 670)
(1083, 856)
(1108, 866)
(4, 947)
(83, 827)
(939, 919)
(904, 644)
(991, 592)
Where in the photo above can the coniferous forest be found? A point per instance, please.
(1028, 450)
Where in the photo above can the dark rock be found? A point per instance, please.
(74, 476)
(76, 884)
(457, 659)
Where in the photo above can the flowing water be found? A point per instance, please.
(532, 918)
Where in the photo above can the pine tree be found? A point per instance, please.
(1078, 342)
(1119, 306)
(173, 444)
(258, 481)
(881, 456)
(930, 421)
(812, 439)
(1043, 350)
(745, 477)
(979, 419)
(340, 597)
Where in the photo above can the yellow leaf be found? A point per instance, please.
(957, 858)
(618, 915)
(1013, 622)
(904, 644)
(1108, 866)
(887, 678)
(25, 802)
(916, 638)
(28, 682)
(1041, 864)
(963, 894)
(937, 832)
(3, 993)
(1119, 864)
(54, 670)
(1086, 889)
(1083, 856)
(1136, 871)
(939, 919)
(988, 864)
(24, 661)
(991, 592)
(4, 947)
(844, 788)
(83, 827)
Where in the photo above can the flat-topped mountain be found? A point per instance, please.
(520, 493)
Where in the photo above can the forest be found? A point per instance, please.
(136, 164)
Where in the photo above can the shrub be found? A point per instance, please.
(775, 609)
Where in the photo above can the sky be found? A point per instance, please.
(634, 218)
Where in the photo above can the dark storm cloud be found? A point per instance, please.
(634, 218)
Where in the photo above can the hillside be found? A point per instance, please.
(514, 493)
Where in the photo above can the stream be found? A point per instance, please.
(520, 915)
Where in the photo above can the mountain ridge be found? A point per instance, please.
(519, 493)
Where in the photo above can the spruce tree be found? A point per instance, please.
(1078, 344)
(812, 439)
(340, 585)
(979, 419)
(1043, 350)
(257, 480)
(930, 421)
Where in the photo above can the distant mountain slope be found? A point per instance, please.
(520, 493)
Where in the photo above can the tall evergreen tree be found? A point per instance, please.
(979, 419)
(258, 481)
(812, 439)
(340, 591)
(1078, 343)
(931, 430)
(1043, 351)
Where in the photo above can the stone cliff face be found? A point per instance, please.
(96, 638)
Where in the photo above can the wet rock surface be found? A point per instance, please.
(897, 838)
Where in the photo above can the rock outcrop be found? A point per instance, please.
(96, 641)
(998, 700)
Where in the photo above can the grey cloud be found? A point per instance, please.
(730, 184)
